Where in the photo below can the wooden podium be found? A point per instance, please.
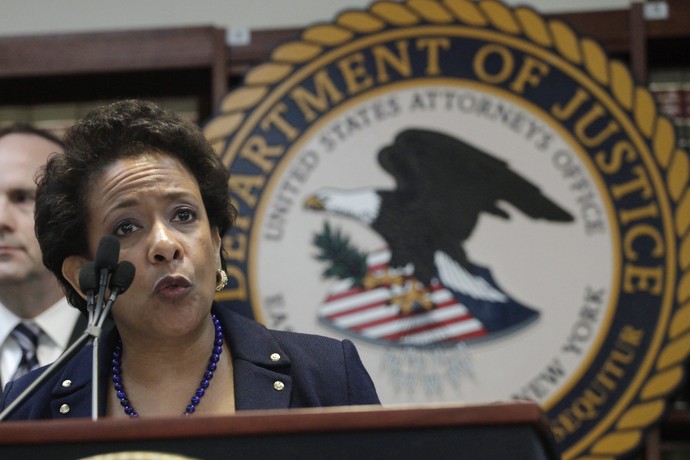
(511, 431)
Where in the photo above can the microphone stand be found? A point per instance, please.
(121, 279)
(92, 331)
(123, 274)
(107, 255)
(49, 372)
(95, 333)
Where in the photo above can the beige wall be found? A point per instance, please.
(27, 17)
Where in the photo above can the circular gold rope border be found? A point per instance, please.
(584, 52)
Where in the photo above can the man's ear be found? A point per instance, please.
(71, 267)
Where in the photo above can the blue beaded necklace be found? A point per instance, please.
(203, 385)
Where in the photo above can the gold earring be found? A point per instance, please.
(221, 279)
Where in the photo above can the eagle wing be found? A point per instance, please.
(443, 185)
(465, 181)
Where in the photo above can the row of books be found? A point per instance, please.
(671, 89)
(60, 116)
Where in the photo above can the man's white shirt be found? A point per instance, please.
(57, 324)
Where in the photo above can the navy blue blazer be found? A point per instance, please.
(315, 372)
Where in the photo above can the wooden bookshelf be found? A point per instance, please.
(58, 68)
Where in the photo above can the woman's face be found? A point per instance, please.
(153, 205)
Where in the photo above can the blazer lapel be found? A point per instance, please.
(261, 371)
(71, 394)
(260, 388)
(261, 368)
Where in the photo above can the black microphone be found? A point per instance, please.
(123, 277)
(107, 255)
(88, 285)
(120, 281)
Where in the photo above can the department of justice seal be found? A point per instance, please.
(483, 201)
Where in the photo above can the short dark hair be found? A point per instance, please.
(21, 127)
(119, 130)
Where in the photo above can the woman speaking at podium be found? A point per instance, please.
(150, 179)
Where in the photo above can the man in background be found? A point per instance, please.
(36, 322)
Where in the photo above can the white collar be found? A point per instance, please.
(57, 322)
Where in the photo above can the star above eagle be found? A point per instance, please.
(442, 186)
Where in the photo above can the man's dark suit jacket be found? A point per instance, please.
(315, 372)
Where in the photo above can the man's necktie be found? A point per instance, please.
(26, 336)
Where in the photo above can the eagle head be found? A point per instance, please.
(360, 204)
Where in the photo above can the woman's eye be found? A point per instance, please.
(125, 228)
(185, 215)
